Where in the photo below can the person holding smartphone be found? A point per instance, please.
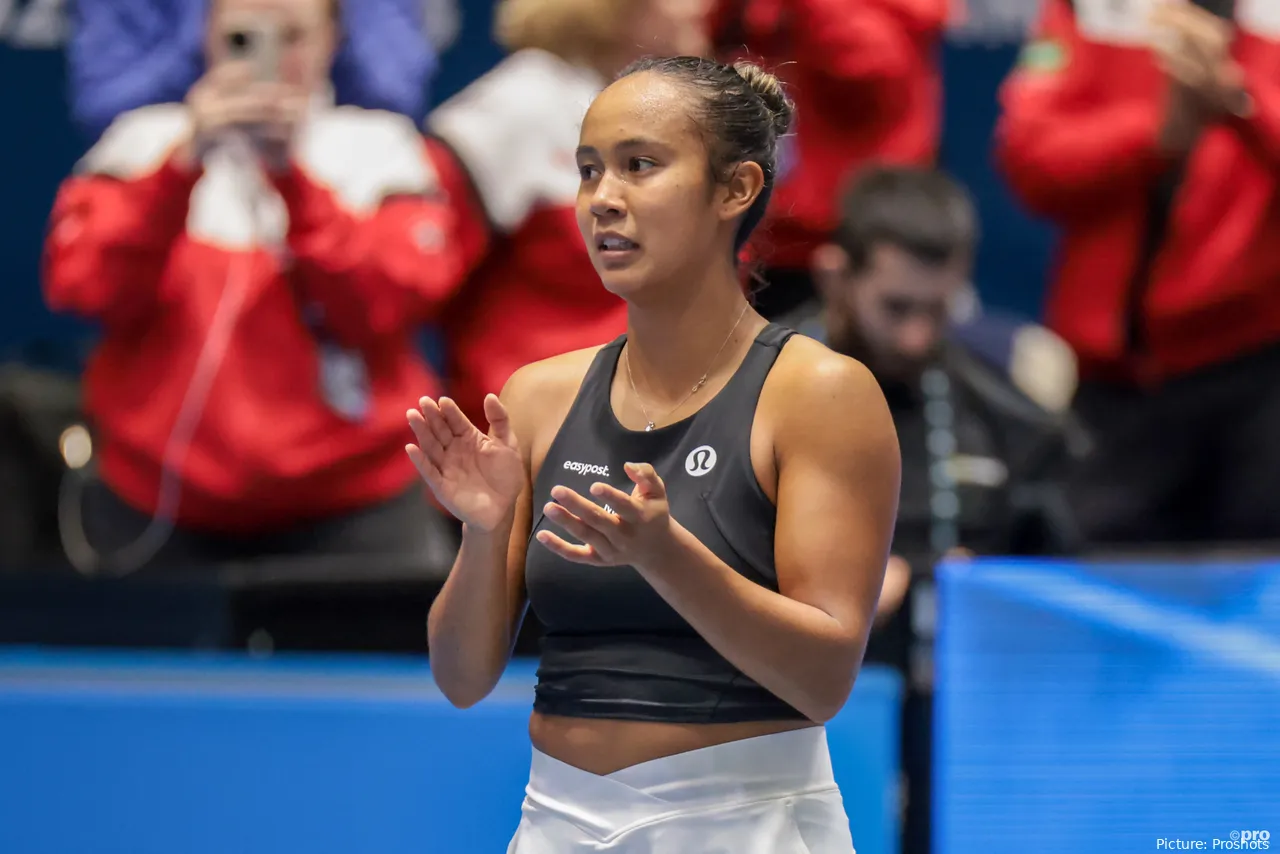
(1150, 134)
(259, 261)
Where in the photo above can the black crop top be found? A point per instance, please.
(613, 647)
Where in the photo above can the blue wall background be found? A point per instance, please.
(153, 754)
(1102, 708)
(1079, 708)
(39, 147)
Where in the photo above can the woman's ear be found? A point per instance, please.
(743, 188)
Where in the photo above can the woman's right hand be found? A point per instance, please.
(476, 477)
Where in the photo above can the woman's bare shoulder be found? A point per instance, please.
(807, 366)
(814, 390)
(541, 393)
(554, 377)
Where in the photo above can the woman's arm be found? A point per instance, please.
(838, 479)
(839, 471)
(474, 621)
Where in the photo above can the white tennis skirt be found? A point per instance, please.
(774, 794)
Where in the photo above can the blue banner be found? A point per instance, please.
(159, 754)
(1107, 708)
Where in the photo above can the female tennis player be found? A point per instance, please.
(699, 512)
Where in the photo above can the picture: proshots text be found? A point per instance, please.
(1236, 840)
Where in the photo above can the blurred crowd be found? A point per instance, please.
(266, 223)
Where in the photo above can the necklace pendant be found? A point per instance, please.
(649, 426)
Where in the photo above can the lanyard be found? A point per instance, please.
(944, 528)
(940, 445)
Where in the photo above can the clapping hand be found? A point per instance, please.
(635, 530)
(475, 477)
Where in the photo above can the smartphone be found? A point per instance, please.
(257, 42)
(1224, 9)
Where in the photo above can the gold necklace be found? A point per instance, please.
(702, 380)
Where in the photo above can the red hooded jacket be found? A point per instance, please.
(153, 252)
(864, 77)
(1078, 142)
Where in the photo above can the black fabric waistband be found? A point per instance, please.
(668, 679)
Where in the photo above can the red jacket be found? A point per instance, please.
(864, 77)
(1078, 143)
(504, 151)
(150, 250)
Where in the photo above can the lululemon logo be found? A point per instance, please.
(701, 460)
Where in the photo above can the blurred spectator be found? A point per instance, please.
(1162, 167)
(505, 150)
(126, 54)
(889, 284)
(982, 460)
(259, 261)
(39, 421)
(865, 78)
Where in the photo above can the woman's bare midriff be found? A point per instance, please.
(602, 746)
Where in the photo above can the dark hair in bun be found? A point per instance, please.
(742, 109)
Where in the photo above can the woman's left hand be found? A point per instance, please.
(634, 530)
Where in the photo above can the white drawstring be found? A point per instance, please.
(128, 559)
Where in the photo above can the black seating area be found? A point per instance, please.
(339, 605)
